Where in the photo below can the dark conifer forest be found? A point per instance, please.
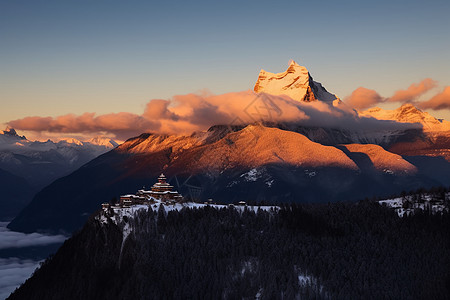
(323, 251)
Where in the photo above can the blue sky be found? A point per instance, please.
(59, 57)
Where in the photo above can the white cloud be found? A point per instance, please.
(12, 239)
(13, 272)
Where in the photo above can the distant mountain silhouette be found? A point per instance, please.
(15, 193)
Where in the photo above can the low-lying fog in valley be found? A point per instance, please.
(20, 255)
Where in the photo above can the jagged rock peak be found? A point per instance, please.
(12, 132)
(295, 82)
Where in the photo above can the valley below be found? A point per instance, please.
(21, 254)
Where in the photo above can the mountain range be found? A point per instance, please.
(267, 161)
(31, 165)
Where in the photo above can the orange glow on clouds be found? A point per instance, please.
(184, 114)
(180, 115)
(363, 98)
(414, 91)
(440, 101)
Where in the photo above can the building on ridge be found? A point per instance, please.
(128, 200)
(161, 191)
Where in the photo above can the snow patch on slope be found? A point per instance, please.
(251, 175)
(407, 205)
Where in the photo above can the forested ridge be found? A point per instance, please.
(330, 251)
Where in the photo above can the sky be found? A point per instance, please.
(113, 57)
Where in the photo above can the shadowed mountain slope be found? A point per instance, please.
(254, 163)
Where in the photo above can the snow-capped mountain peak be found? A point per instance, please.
(295, 82)
(103, 141)
(72, 141)
(408, 113)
